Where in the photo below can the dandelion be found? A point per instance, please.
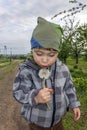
(44, 74)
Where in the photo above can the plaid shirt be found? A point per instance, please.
(27, 85)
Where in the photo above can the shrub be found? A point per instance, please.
(75, 67)
(81, 84)
(77, 73)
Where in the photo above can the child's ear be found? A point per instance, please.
(32, 50)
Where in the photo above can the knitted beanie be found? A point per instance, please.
(46, 35)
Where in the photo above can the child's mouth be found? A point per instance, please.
(43, 66)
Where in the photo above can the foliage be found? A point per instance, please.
(64, 52)
(80, 80)
(1, 56)
(81, 89)
(4, 64)
(3, 59)
(74, 35)
(8, 68)
(74, 40)
(81, 84)
(83, 31)
(78, 73)
(85, 55)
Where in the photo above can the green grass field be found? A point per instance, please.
(82, 96)
(7, 67)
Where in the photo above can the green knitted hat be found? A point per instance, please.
(46, 35)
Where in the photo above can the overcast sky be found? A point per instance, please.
(18, 18)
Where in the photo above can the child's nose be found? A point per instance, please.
(45, 59)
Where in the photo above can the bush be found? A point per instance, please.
(85, 55)
(81, 84)
(75, 67)
(77, 73)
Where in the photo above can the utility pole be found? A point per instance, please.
(5, 50)
(10, 55)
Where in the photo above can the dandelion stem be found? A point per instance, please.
(44, 86)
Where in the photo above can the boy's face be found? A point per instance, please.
(44, 57)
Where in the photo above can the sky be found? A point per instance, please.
(18, 18)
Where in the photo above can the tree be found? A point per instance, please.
(73, 40)
(83, 30)
(64, 53)
(68, 33)
(65, 45)
(74, 37)
(79, 40)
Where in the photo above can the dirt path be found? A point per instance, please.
(10, 118)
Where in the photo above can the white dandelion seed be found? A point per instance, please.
(44, 73)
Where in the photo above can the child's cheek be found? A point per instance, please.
(37, 61)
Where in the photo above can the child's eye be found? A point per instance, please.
(39, 54)
(52, 55)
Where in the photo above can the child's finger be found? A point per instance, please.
(51, 91)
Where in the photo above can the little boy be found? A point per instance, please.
(43, 85)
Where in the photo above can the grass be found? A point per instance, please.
(82, 64)
(4, 64)
(7, 68)
(82, 123)
(68, 119)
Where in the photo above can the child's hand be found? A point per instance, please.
(76, 113)
(44, 95)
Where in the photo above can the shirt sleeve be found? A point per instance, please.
(71, 92)
(23, 88)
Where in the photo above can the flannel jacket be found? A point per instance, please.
(27, 84)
